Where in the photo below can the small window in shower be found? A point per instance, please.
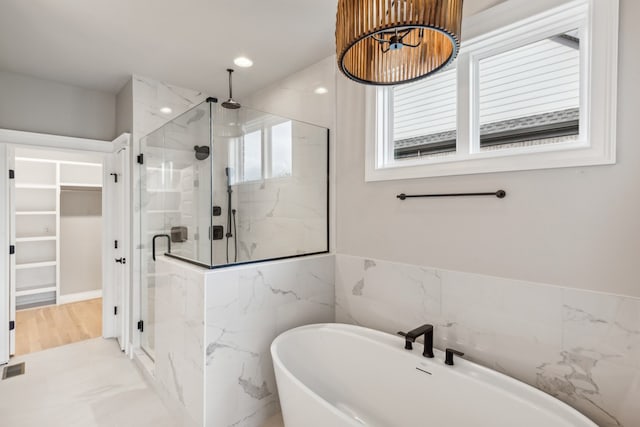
(252, 156)
(281, 150)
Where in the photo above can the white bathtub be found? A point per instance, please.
(334, 375)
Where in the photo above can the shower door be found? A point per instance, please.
(154, 182)
(175, 199)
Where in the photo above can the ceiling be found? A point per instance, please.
(98, 44)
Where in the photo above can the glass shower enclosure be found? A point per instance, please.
(222, 187)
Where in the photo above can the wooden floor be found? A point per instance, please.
(52, 326)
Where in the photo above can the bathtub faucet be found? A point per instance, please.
(410, 337)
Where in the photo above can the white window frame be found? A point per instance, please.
(507, 26)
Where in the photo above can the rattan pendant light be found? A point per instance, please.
(387, 42)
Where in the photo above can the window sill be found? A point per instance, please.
(560, 156)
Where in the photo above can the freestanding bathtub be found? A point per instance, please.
(334, 375)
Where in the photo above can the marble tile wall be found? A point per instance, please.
(179, 338)
(246, 308)
(581, 347)
(287, 216)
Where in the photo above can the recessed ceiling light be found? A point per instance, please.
(243, 62)
(321, 90)
(166, 110)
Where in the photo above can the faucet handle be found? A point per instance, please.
(449, 352)
(407, 340)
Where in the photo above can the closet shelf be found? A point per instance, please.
(35, 239)
(35, 290)
(79, 184)
(35, 212)
(35, 187)
(35, 265)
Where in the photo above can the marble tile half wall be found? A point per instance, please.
(246, 308)
(581, 347)
(179, 336)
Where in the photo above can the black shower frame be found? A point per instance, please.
(215, 267)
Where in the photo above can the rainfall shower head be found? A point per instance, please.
(202, 151)
(230, 103)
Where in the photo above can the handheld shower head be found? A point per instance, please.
(227, 172)
(230, 103)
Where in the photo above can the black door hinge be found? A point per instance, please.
(140, 158)
(12, 174)
(115, 177)
(115, 244)
(140, 325)
(12, 325)
(115, 310)
(12, 249)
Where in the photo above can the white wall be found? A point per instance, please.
(294, 97)
(575, 227)
(43, 106)
(124, 109)
(80, 241)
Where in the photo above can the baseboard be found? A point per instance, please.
(80, 296)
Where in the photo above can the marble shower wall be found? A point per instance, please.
(149, 95)
(179, 337)
(246, 308)
(581, 347)
(287, 215)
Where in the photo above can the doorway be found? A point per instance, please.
(67, 222)
(57, 221)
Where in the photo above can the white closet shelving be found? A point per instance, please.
(38, 184)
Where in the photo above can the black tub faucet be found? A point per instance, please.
(410, 337)
(449, 355)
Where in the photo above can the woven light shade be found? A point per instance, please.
(387, 42)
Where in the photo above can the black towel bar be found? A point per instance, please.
(500, 194)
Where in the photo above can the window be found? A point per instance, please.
(424, 117)
(252, 156)
(264, 152)
(530, 95)
(520, 96)
(281, 150)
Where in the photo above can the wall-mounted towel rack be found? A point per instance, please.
(500, 194)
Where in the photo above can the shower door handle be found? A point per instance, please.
(121, 260)
(153, 244)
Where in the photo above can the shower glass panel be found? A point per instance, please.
(175, 194)
(228, 187)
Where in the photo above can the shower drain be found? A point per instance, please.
(13, 370)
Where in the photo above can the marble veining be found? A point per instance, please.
(571, 380)
(246, 308)
(286, 215)
(581, 347)
(255, 391)
(179, 337)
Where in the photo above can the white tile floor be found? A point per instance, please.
(86, 384)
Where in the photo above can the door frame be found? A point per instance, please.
(112, 227)
(14, 138)
(5, 267)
